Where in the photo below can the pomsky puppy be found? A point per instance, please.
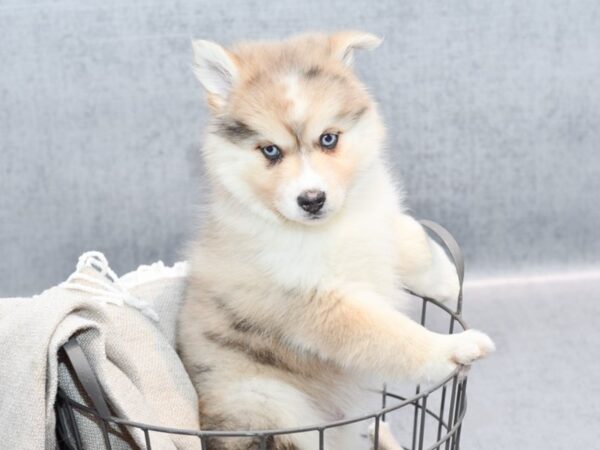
(305, 249)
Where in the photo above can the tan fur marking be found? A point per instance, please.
(284, 314)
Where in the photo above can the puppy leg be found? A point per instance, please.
(360, 331)
(258, 403)
(387, 441)
(424, 267)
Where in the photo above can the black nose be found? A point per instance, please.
(311, 201)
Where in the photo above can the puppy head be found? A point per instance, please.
(292, 127)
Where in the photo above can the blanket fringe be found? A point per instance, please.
(104, 285)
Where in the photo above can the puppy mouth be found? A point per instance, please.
(299, 216)
(315, 217)
(308, 219)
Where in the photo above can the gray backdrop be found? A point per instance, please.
(493, 110)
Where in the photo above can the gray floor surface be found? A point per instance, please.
(541, 389)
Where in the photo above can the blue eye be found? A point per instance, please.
(271, 152)
(328, 140)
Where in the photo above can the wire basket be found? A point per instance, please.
(425, 417)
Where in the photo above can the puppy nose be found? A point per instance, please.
(311, 200)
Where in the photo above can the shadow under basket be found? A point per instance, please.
(421, 418)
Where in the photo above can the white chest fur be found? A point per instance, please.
(355, 247)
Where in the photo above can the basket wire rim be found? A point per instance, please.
(455, 316)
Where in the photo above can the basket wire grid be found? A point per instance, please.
(433, 415)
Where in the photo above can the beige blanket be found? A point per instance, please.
(126, 328)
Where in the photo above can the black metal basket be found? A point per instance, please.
(429, 417)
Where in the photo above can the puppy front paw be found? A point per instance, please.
(470, 346)
(452, 351)
(439, 281)
(445, 285)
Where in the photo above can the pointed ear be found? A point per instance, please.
(216, 69)
(345, 42)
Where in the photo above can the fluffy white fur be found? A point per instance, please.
(287, 312)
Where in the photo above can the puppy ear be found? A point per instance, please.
(216, 69)
(345, 42)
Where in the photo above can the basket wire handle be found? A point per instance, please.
(455, 253)
(86, 376)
